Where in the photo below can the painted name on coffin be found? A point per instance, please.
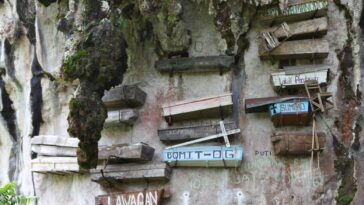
(203, 154)
(289, 107)
(297, 79)
(133, 198)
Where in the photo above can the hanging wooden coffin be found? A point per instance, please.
(56, 165)
(211, 156)
(57, 146)
(198, 108)
(295, 143)
(255, 105)
(124, 96)
(126, 153)
(304, 29)
(299, 49)
(196, 64)
(47, 150)
(124, 116)
(290, 113)
(146, 197)
(190, 133)
(292, 76)
(295, 11)
(130, 173)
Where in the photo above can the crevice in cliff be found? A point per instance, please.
(47, 2)
(9, 63)
(9, 116)
(36, 97)
(26, 12)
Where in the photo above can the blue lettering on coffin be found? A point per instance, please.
(289, 108)
(203, 154)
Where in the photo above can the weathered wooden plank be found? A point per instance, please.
(294, 112)
(295, 143)
(196, 64)
(124, 96)
(145, 197)
(56, 165)
(126, 153)
(300, 49)
(295, 11)
(292, 76)
(211, 156)
(49, 150)
(131, 173)
(201, 107)
(192, 132)
(303, 29)
(54, 141)
(125, 116)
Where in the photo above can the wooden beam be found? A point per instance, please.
(295, 143)
(300, 49)
(209, 156)
(124, 116)
(124, 96)
(202, 107)
(297, 11)
(170, 135)
(145, 197)
(54, 140)
(126, 153)
(131, 173)
(56, 165)
(303, 29)
(48, 150)
(196, 64)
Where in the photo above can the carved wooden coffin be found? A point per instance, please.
(255, 105)
(49, 145)
(295, 143)
(56, 165)
(303, 29)
(126, 153)
(210, 156)
(202, 108)
(193, 132)
(131, 173)
(295, 112)
(124, 96)
(295, 11)
(196, 64)
(124, 116)
(299, 49)
(47, 150)
(146, 197)
(54, 140)
(292, 76)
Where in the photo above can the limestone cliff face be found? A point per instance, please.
(57, 56)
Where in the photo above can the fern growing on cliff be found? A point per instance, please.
(8, 196)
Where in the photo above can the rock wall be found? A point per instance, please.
(37, 38)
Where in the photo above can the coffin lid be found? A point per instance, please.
(291, 70)
(261, 104)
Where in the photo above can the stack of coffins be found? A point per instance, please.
(55, 154)
(122, 103)
(207, 156)
(128, 163)
(303, 23)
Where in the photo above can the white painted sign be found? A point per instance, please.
(281, 79)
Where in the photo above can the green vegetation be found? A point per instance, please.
(8, 196)
(70, 65)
